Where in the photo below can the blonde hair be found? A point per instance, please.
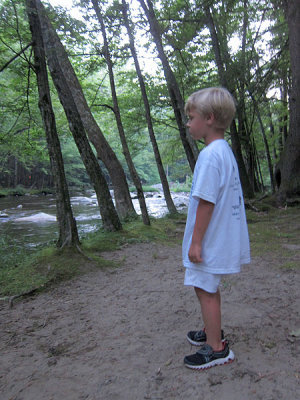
(217, 101)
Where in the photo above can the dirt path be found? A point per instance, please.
(120, 334)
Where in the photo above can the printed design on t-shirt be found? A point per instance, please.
(236, 208)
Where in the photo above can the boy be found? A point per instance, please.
(216, 240)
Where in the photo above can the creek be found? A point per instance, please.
(31, 220)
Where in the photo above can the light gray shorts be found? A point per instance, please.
(203, 280)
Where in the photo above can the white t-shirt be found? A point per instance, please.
(225, 245)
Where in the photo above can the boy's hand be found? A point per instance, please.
(203, 216)
(195, 253)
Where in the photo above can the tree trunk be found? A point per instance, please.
(264, 136)
(104, 151)
(177, 101)
(68, 234)
(161, 171)
(66, 95)
(258, 174)
(235, 141)
(283, 118)
(243, 132)
(290, 158)
(272, 131)
(126, 152)
(15, 172)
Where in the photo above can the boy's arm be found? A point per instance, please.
(203, 216)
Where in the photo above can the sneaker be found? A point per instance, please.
(206, 357)
(197, 338)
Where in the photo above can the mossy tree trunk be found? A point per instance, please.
(68, 234)
(104, 151)
(66, 94)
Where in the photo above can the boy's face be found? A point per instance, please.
(197, 125)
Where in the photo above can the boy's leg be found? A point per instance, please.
(211, 314)
(214, 351)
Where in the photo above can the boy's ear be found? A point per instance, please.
(210, 119)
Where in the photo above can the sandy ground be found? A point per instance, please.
(121, 334)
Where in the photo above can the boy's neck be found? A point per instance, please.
(215, 134)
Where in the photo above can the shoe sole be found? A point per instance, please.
(219, 361)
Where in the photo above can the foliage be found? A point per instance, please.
(74, 169)
(259, 67)
(182, 187)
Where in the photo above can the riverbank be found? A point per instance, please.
(29, 225)
(22, 191)
(119, 332)
(24, 272)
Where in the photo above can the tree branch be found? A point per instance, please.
(15, 56)
(104, 105)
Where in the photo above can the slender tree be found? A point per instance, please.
(68, 235)
(161, 171)
(126, 152)
(177, 101)
(243, 132)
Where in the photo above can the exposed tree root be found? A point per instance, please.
(11, 299)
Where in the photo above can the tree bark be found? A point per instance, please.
(66, 95)
(161, 171)
(68, 234)
(290, 159)
(104, 151)
(126, 152)
(177, 101)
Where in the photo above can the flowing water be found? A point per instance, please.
(31, 220)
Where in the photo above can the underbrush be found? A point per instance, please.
(146, 188)
(22, 191)
(178, 187)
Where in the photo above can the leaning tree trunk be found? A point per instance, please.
(68, 234)
(108, 213)
(235, 141)
(177, 101)
(104, 151)
(290, 159)
(161, 171)
(126, 152)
